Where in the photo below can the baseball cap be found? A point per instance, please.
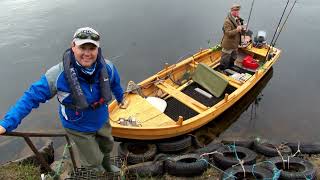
(86, 35)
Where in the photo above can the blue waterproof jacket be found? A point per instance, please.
(54, 83)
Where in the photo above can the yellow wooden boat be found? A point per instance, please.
(185, 96)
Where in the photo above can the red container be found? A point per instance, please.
(249, 62)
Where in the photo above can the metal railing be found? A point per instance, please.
(42, 161)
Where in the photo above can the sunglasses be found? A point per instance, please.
(87, 35)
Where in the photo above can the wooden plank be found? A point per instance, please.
(183, 98)
(180, 88)
(143, 111)
(233, 82)
(212, 64)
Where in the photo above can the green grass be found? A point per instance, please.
(15, 171)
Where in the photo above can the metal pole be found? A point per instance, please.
(38, 155)
(26, 136)
(29, 134)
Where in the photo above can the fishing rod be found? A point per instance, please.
(249, 16)
(116, 58)
(285, 8)
(285, 21)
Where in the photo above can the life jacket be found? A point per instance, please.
(79, 101)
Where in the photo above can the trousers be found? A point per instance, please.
(228, 57)
(93, 147)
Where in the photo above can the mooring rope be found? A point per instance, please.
(57, 171)
(64, 157)
(275, 170)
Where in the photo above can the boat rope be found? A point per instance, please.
(232, 147)
(215, 167)
(151, 118)
(281, 155)
(214, 152)
(64, 157)
(59, 166)
(139, 122)
(241, 162)
(298, 150)
(275, 170)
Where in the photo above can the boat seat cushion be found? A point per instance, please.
(209, 79)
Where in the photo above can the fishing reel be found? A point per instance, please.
(246, 38)
(260, 40)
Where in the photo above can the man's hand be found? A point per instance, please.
(124, 104)
(239, 28)
(2, 130)
(244, 27)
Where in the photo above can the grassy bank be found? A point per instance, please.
(15, 171)
(29, 172)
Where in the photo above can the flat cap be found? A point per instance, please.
(235, 7)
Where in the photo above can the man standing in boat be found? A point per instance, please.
(83, 83)
(232, 29)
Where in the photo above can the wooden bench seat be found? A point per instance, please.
(183, 98)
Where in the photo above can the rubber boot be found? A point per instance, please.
(108, 166)
(231, 62)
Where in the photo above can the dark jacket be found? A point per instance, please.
(231, 38)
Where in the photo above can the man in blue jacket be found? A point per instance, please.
(83, 83)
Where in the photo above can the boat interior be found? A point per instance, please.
(204, 96)
(188, 88)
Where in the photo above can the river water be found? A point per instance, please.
(140, 36)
